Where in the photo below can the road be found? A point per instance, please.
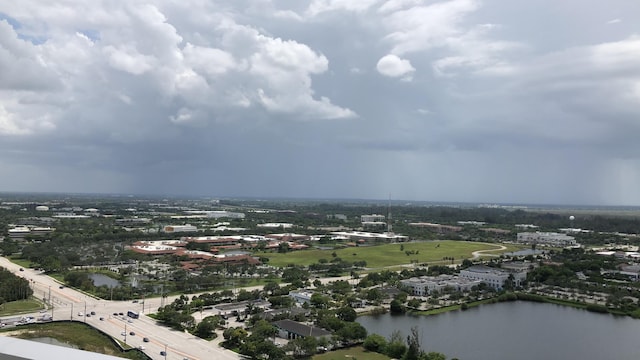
(67, 303)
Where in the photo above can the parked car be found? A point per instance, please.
(163, 353)
(132, 333)
(140, 347)
(145, 339)
(93, 313)
(80, 313)
(101, 319)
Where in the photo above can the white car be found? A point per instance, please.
(140, 347)
(80, 313)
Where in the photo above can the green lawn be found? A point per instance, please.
(353, 353)
(81, 335)
(20, 307)
(390, 254)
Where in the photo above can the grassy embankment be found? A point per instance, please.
(20, 307)
(389, 255)
(79, 335)
(352, 353)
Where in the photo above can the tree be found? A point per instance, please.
(376, 343)
(396, 307)
(352, 332)
(346, 313)
(396, 346)
(305, 346)
(234, 336)
(319, 301)
(206, 328)
(413, 345)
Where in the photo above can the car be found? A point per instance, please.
(80, 313)
(21, 269)
(115, 314)
(132, 333)
(123, 333)
(61, 287)
(88, 315)
(135, 301)
(145, 339)
(120, 313)
(93, 313)
(129, 320)
(101, 319)
(140, 347)
(163, 353)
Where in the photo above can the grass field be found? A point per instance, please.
(354, 353)
(20, 307)
(390, 254)
(80, 335)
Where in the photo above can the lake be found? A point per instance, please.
(101, 279)
(518, 330)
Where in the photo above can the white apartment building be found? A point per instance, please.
(546, 238)
(373, 218)
(493, 277)
(425, 285)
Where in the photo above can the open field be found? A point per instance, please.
(387, 255)
(80, 335)
(20, 307)
(353, 353)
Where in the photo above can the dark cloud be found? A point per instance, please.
(324, 99)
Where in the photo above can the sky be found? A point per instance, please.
(496, 101)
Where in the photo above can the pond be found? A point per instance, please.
(101, 279)
(518, 330)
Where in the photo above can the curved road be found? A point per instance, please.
(67, 304)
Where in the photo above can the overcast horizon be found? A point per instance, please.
(505, 101)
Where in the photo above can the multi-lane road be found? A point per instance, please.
(68, 304)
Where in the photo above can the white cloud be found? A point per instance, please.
(393, 66)
(321, 6)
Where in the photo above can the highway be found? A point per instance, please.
(67, 304)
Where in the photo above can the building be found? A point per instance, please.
(546, 238)
(369, 236)
(289, 329)
(179, 228)
(493, 277)
(373, 218)
(15, 348)
(301, 297)
(425, 285)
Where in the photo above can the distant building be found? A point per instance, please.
(276, 225)
(493, 277)
(179, 228)
(424, 285)
(546, 238)
(373, 218)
